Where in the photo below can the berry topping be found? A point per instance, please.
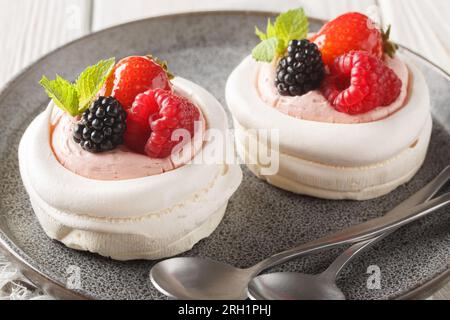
(138, 128)
(153, 117)
(301, 70)
(102, 126)
(134, 75)
(359, 82)
(348, 32)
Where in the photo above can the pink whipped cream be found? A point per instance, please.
(118, 164)
(313, 105)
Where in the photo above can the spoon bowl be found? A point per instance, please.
(293, 286)
(190, 278)
(201, 279)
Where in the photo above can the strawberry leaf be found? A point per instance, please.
(389, 47)
(163, 64)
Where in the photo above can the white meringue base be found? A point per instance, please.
(334, 182)
(144, 218)
(124, 246)
(332, 160)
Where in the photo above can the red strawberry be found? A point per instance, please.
(152, 119)
(351, 31)
(134, 75)
(359, 82)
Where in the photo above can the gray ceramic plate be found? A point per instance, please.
(260, 219)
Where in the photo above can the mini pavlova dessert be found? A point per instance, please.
(113, 165)
(353, 115)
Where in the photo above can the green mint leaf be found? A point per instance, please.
(265, 50)
(63, 94)
(288, 26)
(261, 35)
(270, 30)
(291, 25)
(91, 80)
(281, 47)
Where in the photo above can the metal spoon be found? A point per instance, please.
(199, 278)
(300, 286)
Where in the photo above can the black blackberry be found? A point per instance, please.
(301, 70)
(102, 126)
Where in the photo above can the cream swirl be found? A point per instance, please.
(313, 105)
(118, 164)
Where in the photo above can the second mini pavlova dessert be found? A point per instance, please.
(353, 115)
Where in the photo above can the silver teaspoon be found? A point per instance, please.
(200, 279)
(300, 286)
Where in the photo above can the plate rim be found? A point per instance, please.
(58, 289)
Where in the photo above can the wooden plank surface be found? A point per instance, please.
(443, 294)
(422, 26)
(31, 28)
(110, 12)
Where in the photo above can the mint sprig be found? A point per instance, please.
(91, 80)
(288, 26)
(265, 50)
(270, 31)
(76, 98)
(63, 93)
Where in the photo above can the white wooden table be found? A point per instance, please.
(32, 28)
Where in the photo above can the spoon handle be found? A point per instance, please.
(355, 250)
(345, 257)
(367, 230)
